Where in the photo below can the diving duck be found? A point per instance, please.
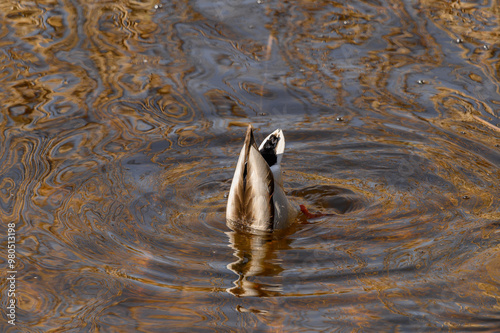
(256, 199)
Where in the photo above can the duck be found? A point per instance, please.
(257, 200)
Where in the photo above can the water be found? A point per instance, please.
(120, 128)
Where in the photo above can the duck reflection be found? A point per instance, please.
(257, 256)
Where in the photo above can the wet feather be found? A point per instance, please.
(256, 198)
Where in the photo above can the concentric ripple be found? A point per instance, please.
(120, 130)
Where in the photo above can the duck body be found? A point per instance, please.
(256, 199)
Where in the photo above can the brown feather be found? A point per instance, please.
(250, 201)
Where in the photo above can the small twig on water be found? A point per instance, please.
(266, 59)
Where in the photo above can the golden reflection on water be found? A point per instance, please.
(120, 126)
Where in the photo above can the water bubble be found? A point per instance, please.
(459, 40)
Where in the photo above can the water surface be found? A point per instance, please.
(121, 123)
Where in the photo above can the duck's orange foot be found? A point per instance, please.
(310, 215)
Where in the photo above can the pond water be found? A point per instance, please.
(121, 124)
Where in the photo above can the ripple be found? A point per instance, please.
(331, 198)
(8, 191)
(37, 300)
(256, 89)
(121, 127)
